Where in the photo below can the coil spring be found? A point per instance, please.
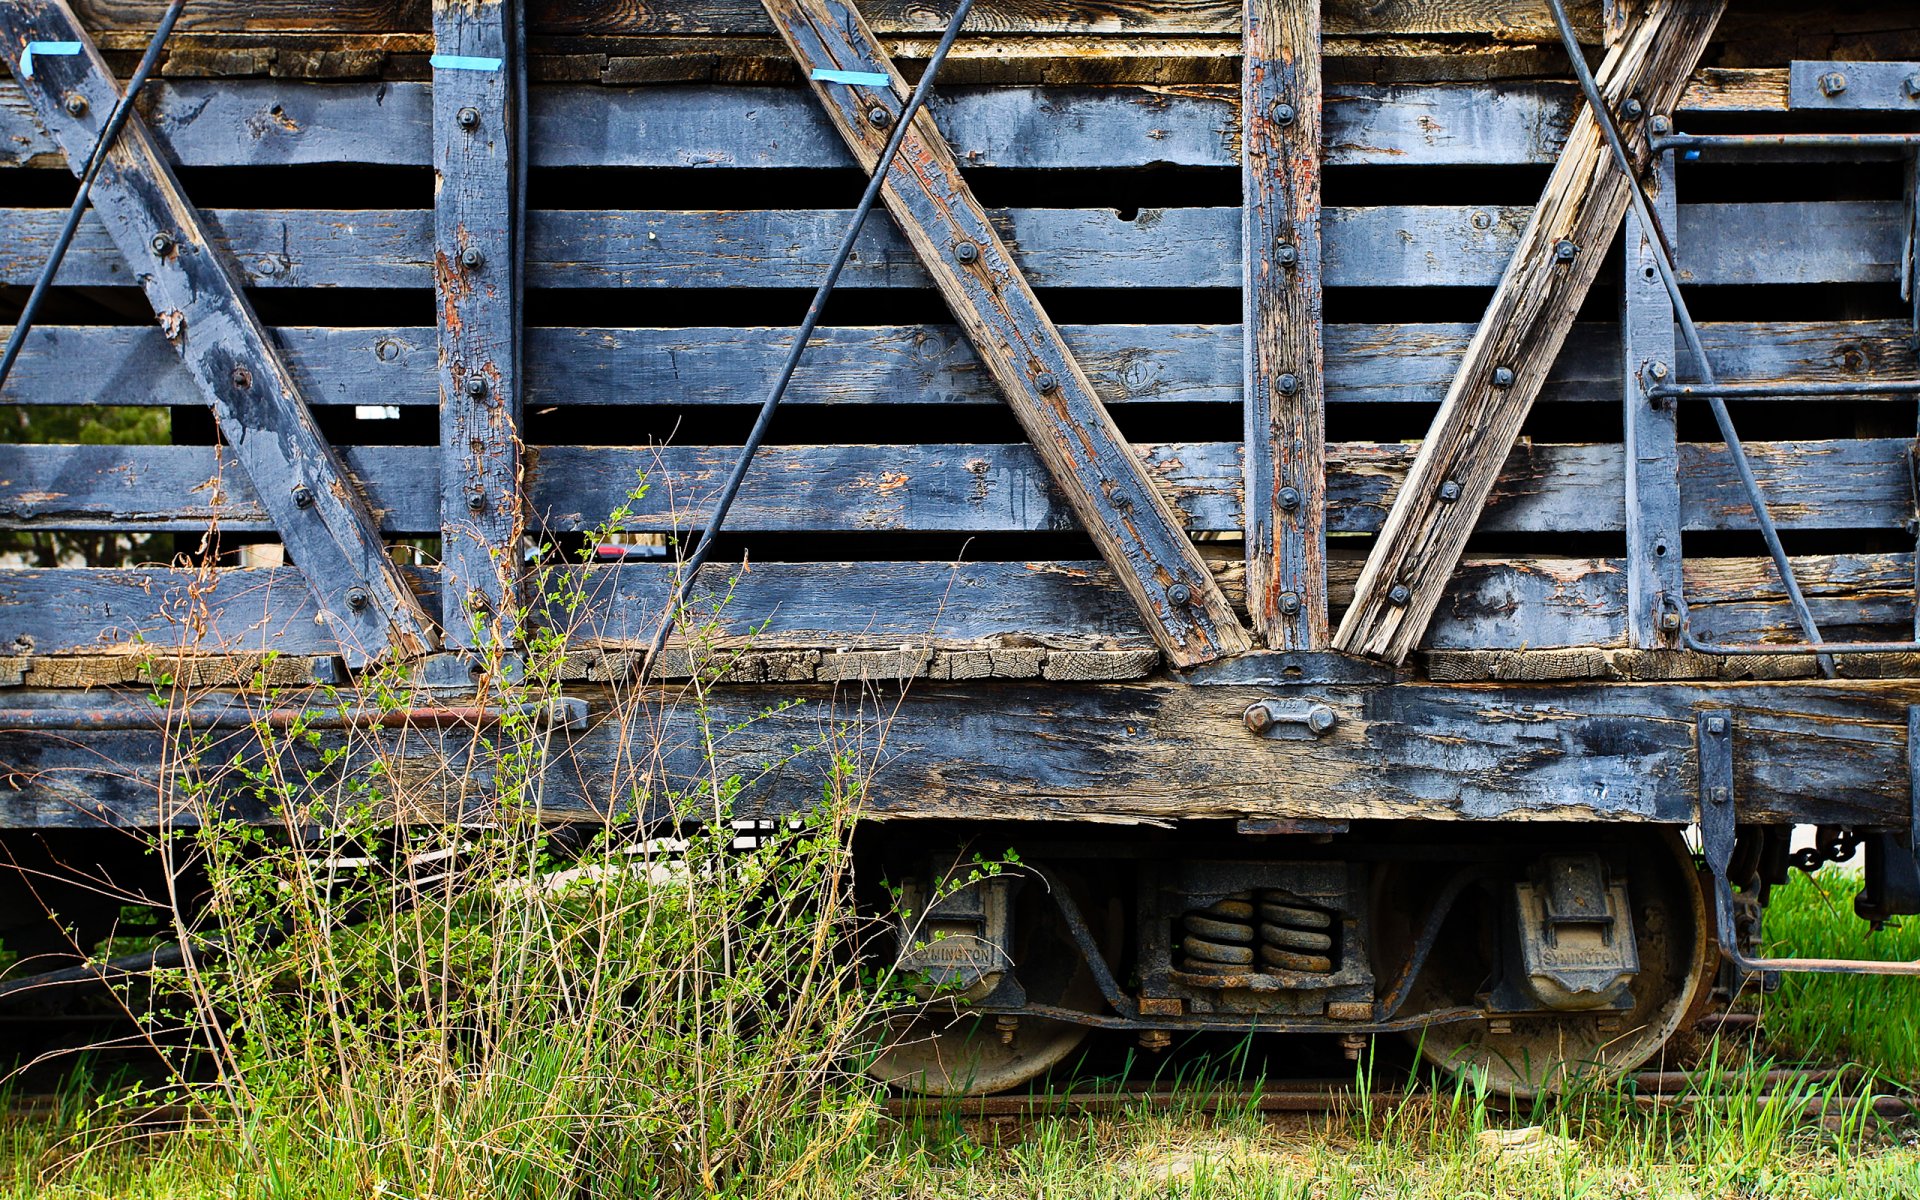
(1228, 936)
(1219, 937)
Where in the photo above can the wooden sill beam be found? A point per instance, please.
(1532, 311)
(1129, 520)
(262, 414)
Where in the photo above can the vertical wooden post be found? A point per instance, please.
(1648, 356)
(1284, 400)
(476, 271)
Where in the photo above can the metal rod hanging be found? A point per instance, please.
(1658, 242)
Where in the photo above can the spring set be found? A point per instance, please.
(1242, 934)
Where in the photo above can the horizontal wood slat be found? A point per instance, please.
(1451, 246)
(1510, 19)
(269, 122)
(924, 364)
(1845, 484)
(1490, 604)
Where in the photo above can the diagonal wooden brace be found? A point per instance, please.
(319, 514)
(1129, 520)
(1532, 311)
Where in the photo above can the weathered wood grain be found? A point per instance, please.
(270, 122)
(1388, 247)
(1115, 752)
(1068, 427)
(1001, 608)
(1520, 20)
(924, 364)
(1528, 319)
(1840, 484)
(140, 208)
(477, 271)
(1284, 405)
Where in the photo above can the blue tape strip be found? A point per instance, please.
(865, 78)
(463, 62)
(51, 49)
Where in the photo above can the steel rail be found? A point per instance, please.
(1658, 242)
(109, 133)
(1794, 388)
(690, 566)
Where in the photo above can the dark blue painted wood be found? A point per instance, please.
(138, 205)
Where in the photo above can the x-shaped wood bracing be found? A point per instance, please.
(1129, 520)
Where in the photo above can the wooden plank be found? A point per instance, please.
(269, 122)
(1843, 484)
(257, 403)
(1491, 604)
(1827, 752)
(1519, 337)
(1285, 398)
(1069, 428)
(1387, 247)
(923, 364)
(1649, 354)
(477, 289)
(1516, 20)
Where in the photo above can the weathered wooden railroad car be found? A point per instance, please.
(1335, 500)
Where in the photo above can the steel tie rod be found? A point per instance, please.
(690, 567)
(1664, 262)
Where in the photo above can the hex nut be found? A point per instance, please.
(1179, 595)
(1632, 109)
(161, 244)
(1284, 114)
(1716, 725)
(1286, 254)
(1046, 383)
(1833, 83)
(357, 597)
(1564, 250)
(1449, 491)
(1287, 384)
(1321, 719)
(469, 118)
(476, 385)
(76, 104)
(1503, 377)
(1289, 498)
(1259, 717)
(879, 117)
(966, 252)
(1289, 604)
(1661, 124)
(1399, 596)
(470, 258)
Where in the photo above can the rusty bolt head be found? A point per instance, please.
(1398, 596)
(879, 117)
(1670, 621)
(470, 258)
(476, 386)
(1321, 719)
(1259, 717)
(302, 496)
(1660, 124)
(357, 597)
(1284, 114)
(1449, 491)
(1289, 498)
(1179, 595)
(161, 244)
(1564, 250)
(1503, 377)
(1833, 83)
(1912, 87)
(1632, 109)
(1046, 383)
(1287, 384)
(76, 104)
(966, 252)
(1286, 254)
(469, 118)
(242, 378)
(1657, 369)
(476, 501)
(1289, 604)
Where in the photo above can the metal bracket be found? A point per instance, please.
(1714, 729)
(1266, 717)
(1854, 86)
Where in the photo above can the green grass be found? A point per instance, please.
(1867, 1019)
(1730, 1140)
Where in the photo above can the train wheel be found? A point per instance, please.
(944, 1049)
(1526, 1056)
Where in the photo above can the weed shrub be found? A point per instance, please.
(405, 977)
